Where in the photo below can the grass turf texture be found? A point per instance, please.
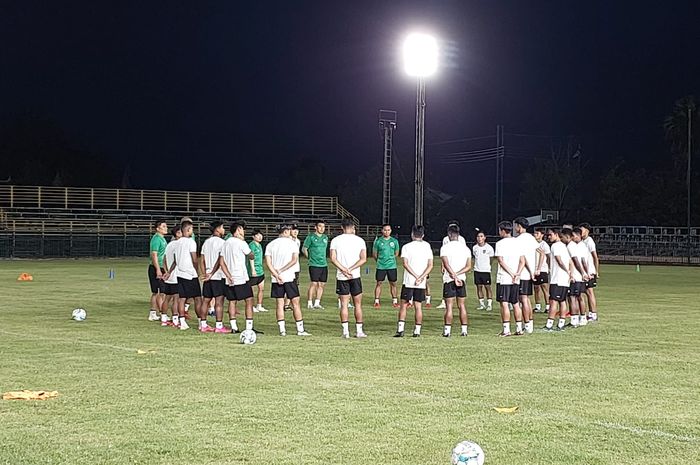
(624, 391)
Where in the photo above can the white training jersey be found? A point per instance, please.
(281, 251)
(590, 247)
(348, 248)
(211, 250)
(235, 252)
(297, 266)
(528, 247)
(170, 259)
(183, 257)
(458, 255)
(509, 249)
(547, 251)
(559, 276)
(446, 240)
(576, 251)
(417, 254)
(482, 257)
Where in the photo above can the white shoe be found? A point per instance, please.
(583, 321)
(318, 307)
(283, 334)
(256, 310)
(345, 336)
(360, 335)
(481, 307)
(183, 324)
(442, 305)
(262, 309)
(153, 316)
(489, 308)
(303, 333)
(309, 307)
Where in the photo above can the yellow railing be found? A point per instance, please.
(133, 199)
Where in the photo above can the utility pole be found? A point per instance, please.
(387, 122)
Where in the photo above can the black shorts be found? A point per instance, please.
(558, 293)
(280, 291)
(239, 292)
(525, 287)
(256, 280)
(412, 293)
(507, 293)
(577, 288)
(214, 288)
(351, 287)
(157, 285)
(170, 289)
(482, 278)
(318, 274)
(188, 288)
(592, 283)
(450, 290)
(543, 278)
(381, 275)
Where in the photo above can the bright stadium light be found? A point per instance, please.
(420, 54)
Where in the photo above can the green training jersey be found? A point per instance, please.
(258, 252)
(158, 244)
(228, 235)
(386, 252)
(317, 247)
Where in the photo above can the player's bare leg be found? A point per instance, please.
(359, 322)
(279, 314)
(377, 293)
(344, 299)
(233, 313)
(592, 305)
(401, 324)
(419, 318)
(298, 317)
(449, 304)
(463, 316)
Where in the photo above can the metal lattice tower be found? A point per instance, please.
(387, 122)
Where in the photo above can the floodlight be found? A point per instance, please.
(420, 53)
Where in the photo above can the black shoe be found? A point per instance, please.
(235, 331)
(446, 335)
(398, 334)
(463, 334)
(415, 335)
(547, 330)
(257, 332)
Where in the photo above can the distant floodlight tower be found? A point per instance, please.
(387, 123)
(420, 53)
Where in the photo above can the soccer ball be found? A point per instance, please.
(467, 453)
(79, 314)
(248, 337)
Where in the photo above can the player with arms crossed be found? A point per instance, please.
(234, 255)
(483, 253)
(280, 257)
(541, 280)
(510, 265)
(314, 248)
(385, 250)
(559, 280)
(214, 287)
(155, 268)
(417, 259)
(456, 262)
(593, 271)
(348, 254)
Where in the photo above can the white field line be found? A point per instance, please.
(603, 424)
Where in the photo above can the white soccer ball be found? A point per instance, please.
(467, 453)
(79, 314)
(248, 337)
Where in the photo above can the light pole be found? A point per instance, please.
(420, 52)
(690, 141)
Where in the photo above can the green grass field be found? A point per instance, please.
(625, 391)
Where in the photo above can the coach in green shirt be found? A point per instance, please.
(155, 268)
(385, 250)
(314, 248)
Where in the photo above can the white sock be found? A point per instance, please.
(447, 330)
(547, 307)
(300, 326)
(164, 317)
(530, 326)
(506, 328)
(582, 320)
(538, 307)
(358, 328)
(376, 301)
(187, 307)
(248, 323)
(481, 302)
(402, 326)
(417, 329)
(595, 316)
(219, 324)
(281, 324)
(176, 320)
(550, 323)
(310, 303)
(518, 326)
(234, 325)
(464, 329)
(574, 320)
(427, 301)
(317, 303)
(394, 300)
(562, 322)
(489, 302)
(346, 328)
(202, 323)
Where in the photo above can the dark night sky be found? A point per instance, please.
(269, 81)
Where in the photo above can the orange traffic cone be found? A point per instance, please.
(25, 277)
